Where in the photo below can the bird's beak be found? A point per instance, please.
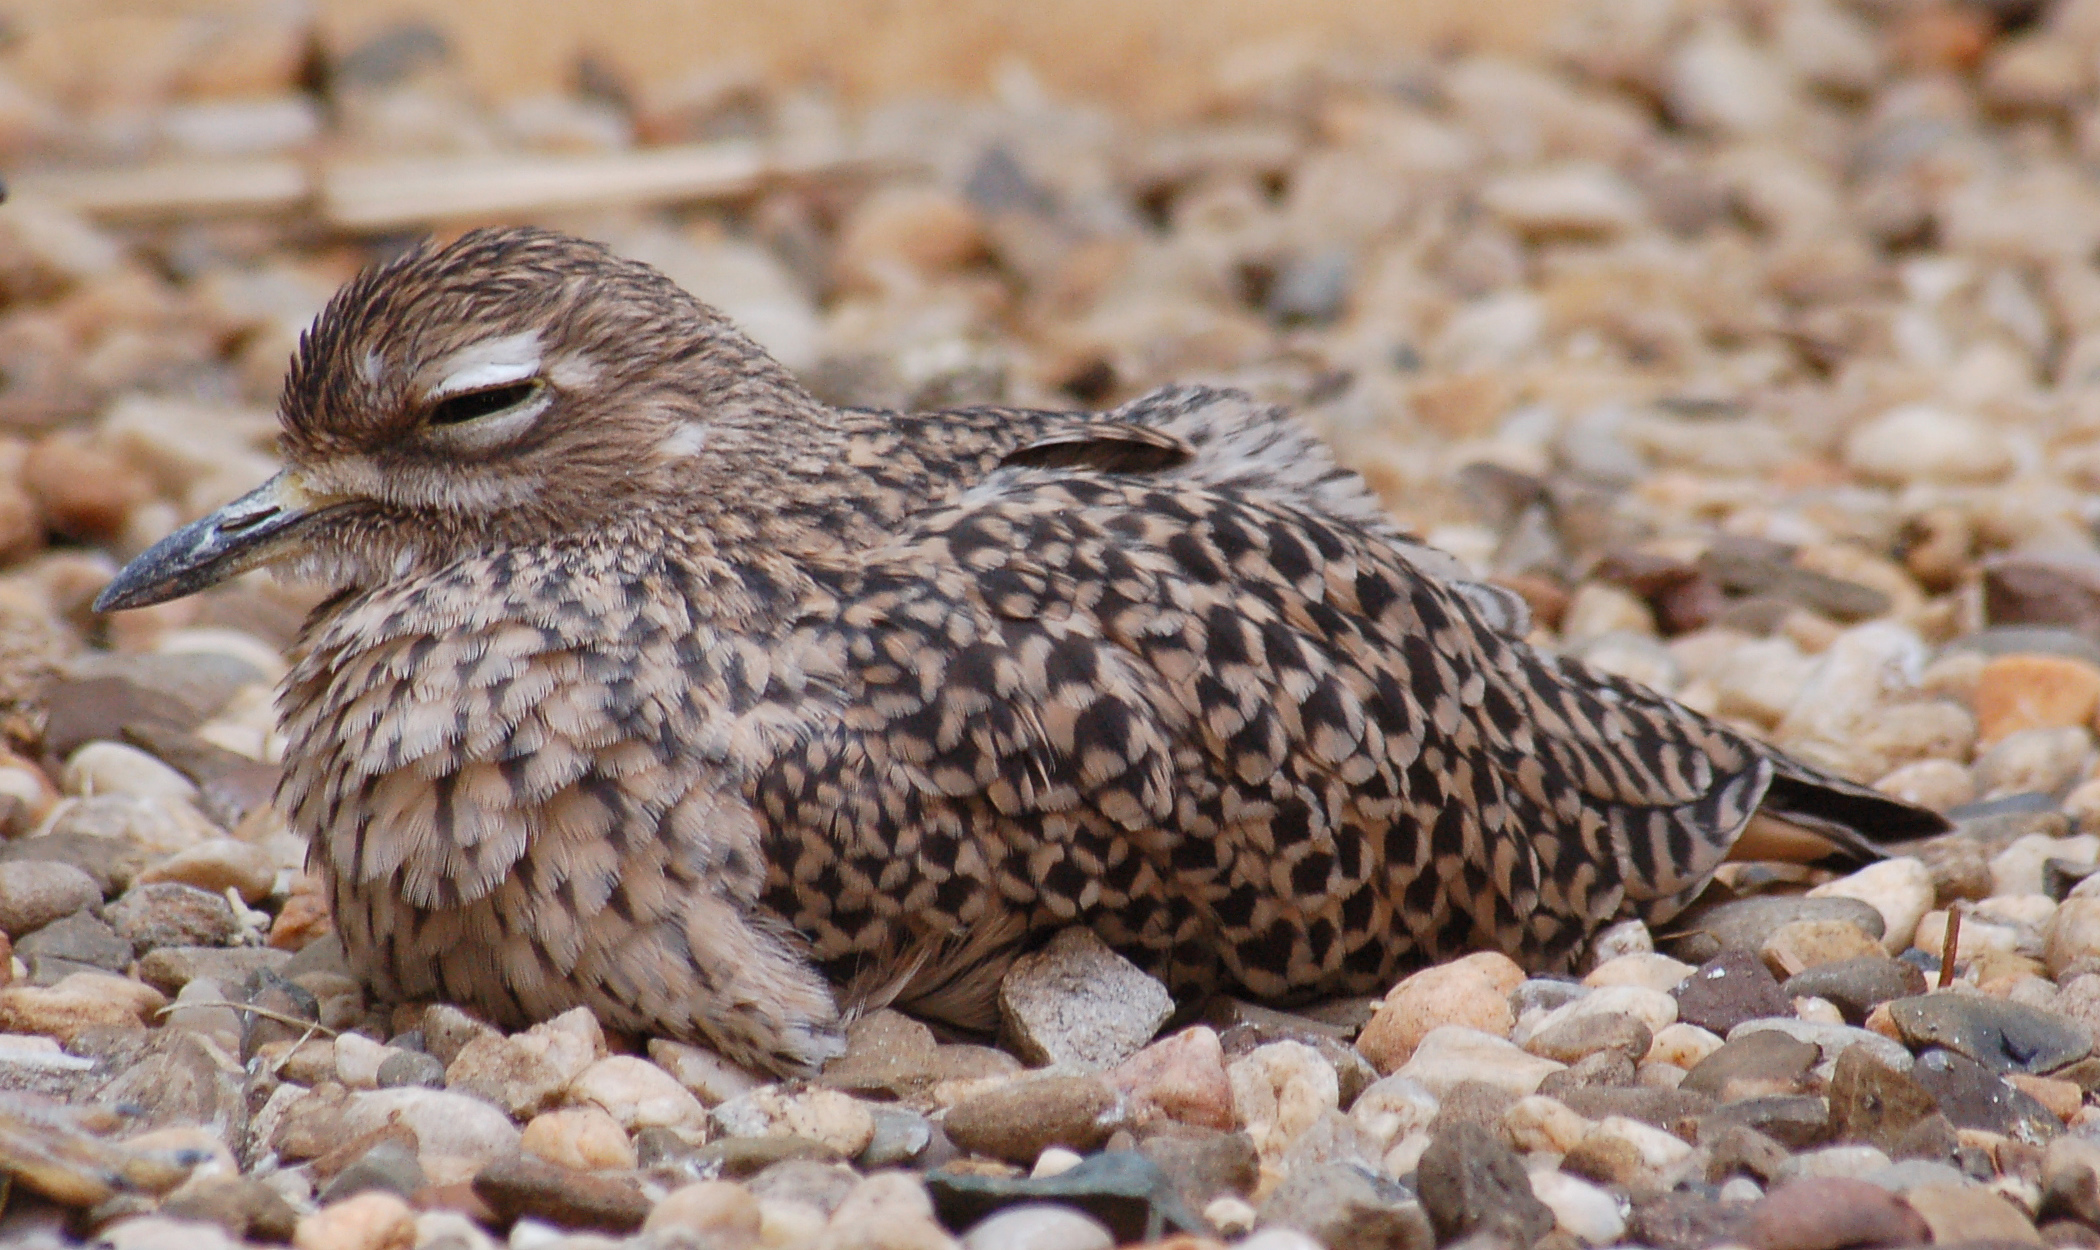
(250, 531)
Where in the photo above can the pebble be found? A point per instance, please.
(150, 916)
(1181, 1077)
(838, 1122)
(2033, 761)
(1873, 1103)
(1825, 1213)
(1899, 888)
(81, 1001)
(458, 1133)
(33, 893)
(113, 768)
(1803, 944)
(1919, 443)
(1728, 989)
(1452, 1053)
(585, 1139)
(1832, 1039)
(2001, 1035)
(1077, 1004)
(217, 866)
(1279, 1091)
(2020, 692)
(640, 1095)
(1472, 991)
(1470, 1182)
(1941, 785)
(705, 1074)
(518, 1187)
(1745, 924)
(1035, 1226)
(721, 1212)
(1646, 969)
(1968, 1213)
(1018, 1120)
(524, 1073)
(1652, 1009)
(368, 1221)
(1857, 986)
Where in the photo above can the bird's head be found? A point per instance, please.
(512, 387)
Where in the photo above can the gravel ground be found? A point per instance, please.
(1757, 344)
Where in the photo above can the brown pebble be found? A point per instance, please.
(520, 1187)
(1017, 1120)
(1825, 1213)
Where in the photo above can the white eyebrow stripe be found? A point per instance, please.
(491, 362)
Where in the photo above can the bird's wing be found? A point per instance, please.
(1219, 720)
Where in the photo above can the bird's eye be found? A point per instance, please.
(473, 405)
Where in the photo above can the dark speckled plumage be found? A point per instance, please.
(726, 713)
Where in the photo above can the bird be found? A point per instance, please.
(649, 683)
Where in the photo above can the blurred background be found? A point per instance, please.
(1763, 317)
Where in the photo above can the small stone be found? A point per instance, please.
(2071, 1177)
(2001, 1035)
(242, 1205)
(1204, 1163)
(2033, 761)
(902, 1138)
(705, 1074)
(1451, 1054)
(1181, 1077)
(33, 893)
(1583, 1210)
(1123, 1189)
(2062, 1098)
(839, 1122)
(1038, 1226)
(1755, 1064)
(1972, 1096)
(1832, 1039)
(1803, 944)
(1394, 1107)
(411, 1069)
(1624, 1151)
(2023, 868)
(520, 1187)
(1573, 1040)
(217, 866)
(2072, 935)
(1919, 443)
(907, 231)
(1900, 888)
(458, 1133)
(1343, 1207)
(2018, 692)
(525, 1072)
(150, 916)
(113, 768)
(1278, 1092)
(1017, 1120)
(390, 1165)
(1654, 1009)
(586, 1139)
(1873, 1103)
(1472, 991)
(1684, 1046)
(1469, 1181)
(639, 1095)
(357, 1060)
(1728, 989)
(1940, 785)
(1827, 1213)
(81, 1001)
(1744, 924)
(1077, 1004)
(1857, 986)
(1540, 1123)
(367, 1221)
(79, 943)
(720, 1213)
(1969, 1214)
(1575, 200)
(1647, 970)
(1685, 1221)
